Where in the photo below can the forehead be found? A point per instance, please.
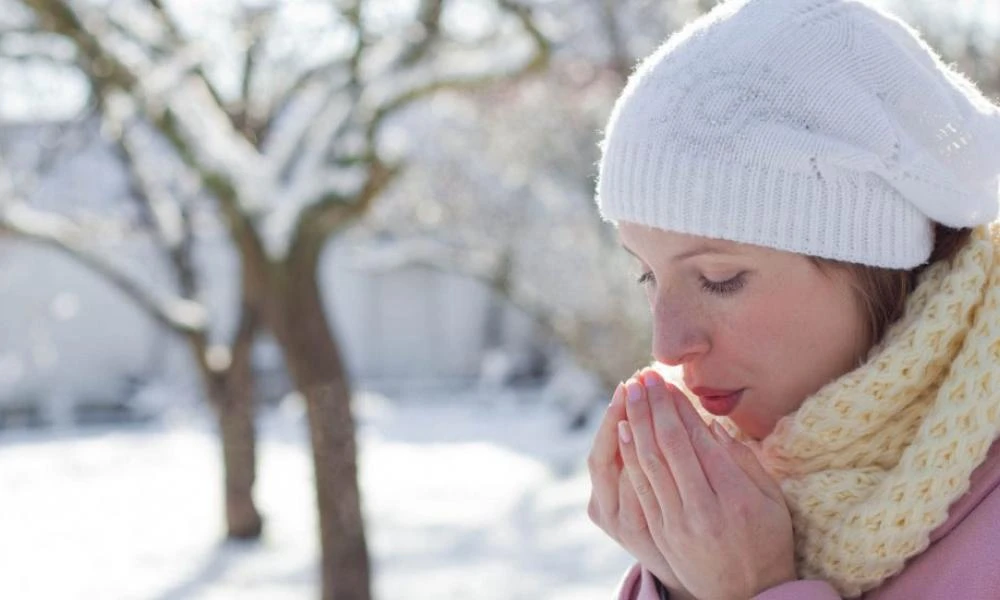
(643, 241)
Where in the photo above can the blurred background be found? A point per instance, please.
(310, 298)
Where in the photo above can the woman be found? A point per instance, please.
(809, 193)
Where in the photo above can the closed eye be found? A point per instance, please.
(724, 288)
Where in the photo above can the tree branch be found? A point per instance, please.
(170, 218)
(334, 212)
(57, 17)
(283, 99)
(311, 144)
(535, 63)
(243, 114)
(176, 36)
(179, 314)
(429, 22)
(166, 18)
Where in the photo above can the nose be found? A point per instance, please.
(680, 334)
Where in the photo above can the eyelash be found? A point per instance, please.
(721, 288)
(724, 288)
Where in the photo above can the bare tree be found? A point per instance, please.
(293, 154)
(224, 369)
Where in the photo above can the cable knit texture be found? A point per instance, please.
(822, 127)
(872, 461)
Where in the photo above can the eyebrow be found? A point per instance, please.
(697, 251)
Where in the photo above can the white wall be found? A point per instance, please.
(65, 331)
(65, 334)
(414, 324)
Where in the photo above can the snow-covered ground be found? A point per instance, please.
(472, 497)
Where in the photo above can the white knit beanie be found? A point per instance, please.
(821, 127)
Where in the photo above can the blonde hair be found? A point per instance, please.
(882, 292)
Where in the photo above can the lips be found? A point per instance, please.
(718, 402)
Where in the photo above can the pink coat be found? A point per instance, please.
(962, 562)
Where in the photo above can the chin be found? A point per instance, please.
(750, 426)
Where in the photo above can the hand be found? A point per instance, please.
(614, 506)
(715, 514)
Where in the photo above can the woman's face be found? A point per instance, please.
(754, 330)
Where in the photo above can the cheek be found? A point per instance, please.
(802, 339)
(755, 332)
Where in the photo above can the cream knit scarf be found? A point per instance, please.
(872, 461)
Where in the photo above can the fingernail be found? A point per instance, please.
(650, 379)
(634, 391)
(623, 432)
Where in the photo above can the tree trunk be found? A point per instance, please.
(313, 359)
(236, 414)
(236, 426)
(229, 390)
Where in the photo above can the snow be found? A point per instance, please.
(466, 495)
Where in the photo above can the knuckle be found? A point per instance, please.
(745, 509)
(633, 525)
(649, 460)
(599, 463)
(643, 489)
(672, 439)
(594, 511)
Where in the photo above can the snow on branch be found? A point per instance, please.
(429, 24)
(459, 80)
(177, 96)
(203, 132)
(182, 315)
(166, 18)
(333, 212)
(157, 199)
(368, 113)
(307, 155)
(290, 94)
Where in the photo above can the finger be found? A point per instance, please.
(604, 452)
(721, 470)
(674, 442)
(750, 464)
(631, 514)
(642, 488)
(642, 542)
(603, 462)
(649, 455)
(685, 410)
(628, 500)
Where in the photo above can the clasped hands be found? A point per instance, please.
(690, 503)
